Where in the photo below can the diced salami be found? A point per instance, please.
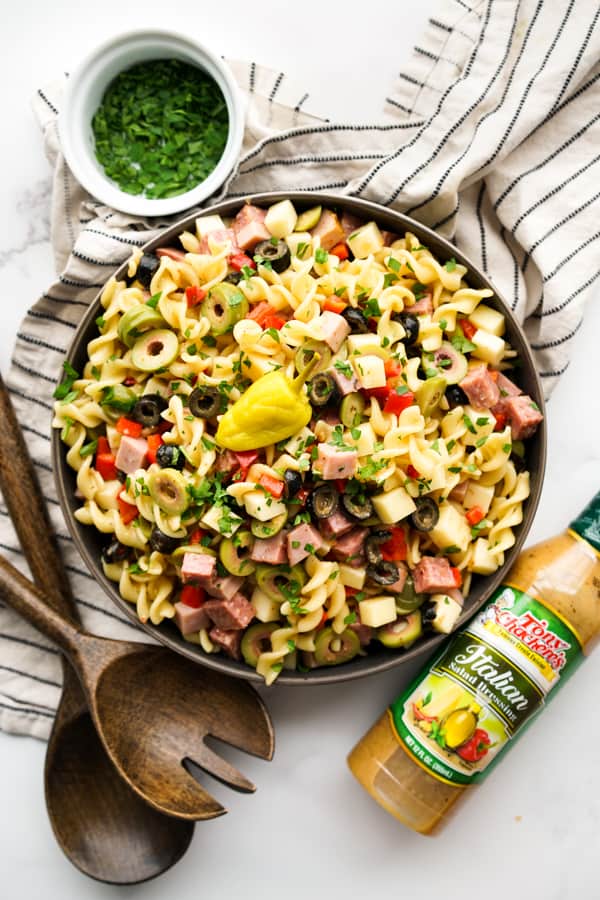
(188, 619)
(334, 329)
(270, 550)
(231, 614)
(364, 632)
(523, 416)
(433, 574)
(389, 238)
(222, 588)
(329, 230)
(350, 223)
(424, 305)
(171, 252)
(249, 227)
(349, 547)
(458, 492)
(302, 541)
(333, 463)
(398, 585)
(131, 454)
(507, 387)
(226, 462)
(198, 567)
(480, 388)
(229, 641)
(335, 525)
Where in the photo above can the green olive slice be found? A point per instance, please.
(168, 489)
(234, 553)
(136, 321)
(224, 306)
(331, 649)
(155, 350)
(430, 393)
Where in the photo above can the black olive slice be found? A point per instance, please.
(324, 501)
(115, 552)
(358, 506)
(356, 319)
(162, 542)
(147, 410)
(205, 402)
(322, 389)
(275, 252)
(426, 515)
(293, 482)
(147, 267)
(372, 546)
(169, 456)
(383, 572)
(410, 323)
(455, 396)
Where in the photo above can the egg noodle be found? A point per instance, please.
(455, 454)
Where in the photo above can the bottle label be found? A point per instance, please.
(485, 685)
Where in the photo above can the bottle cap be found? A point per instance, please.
(587, 523)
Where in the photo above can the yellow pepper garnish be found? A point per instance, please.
(273, 408)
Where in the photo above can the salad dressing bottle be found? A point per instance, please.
(450, 726)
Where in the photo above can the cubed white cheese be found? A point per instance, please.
(353, 577)
(480, 495)
(480, 423)
(260, 505)
(447, 613)
(394, 505)
(300, 441)
(482, 561)
(451, 529)
(370, 371)
(221, 520)
(365, 443)
(488, 347)
(363, 344)
(281, 218)
(300, 244)
(266, 609)
(376, 611)
(365, 240)
(488, 319)
(206, 224)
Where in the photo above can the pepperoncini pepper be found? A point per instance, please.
(273, 408)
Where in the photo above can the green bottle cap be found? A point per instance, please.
(587, 523)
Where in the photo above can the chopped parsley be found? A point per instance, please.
(344, 367)
(321, 256)
(65, 388)
(450, 266)
(152, 302)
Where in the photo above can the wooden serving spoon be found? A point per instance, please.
(90, 817)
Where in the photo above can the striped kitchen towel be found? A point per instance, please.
(490, 137)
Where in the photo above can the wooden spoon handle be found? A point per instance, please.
(19, 593)
(27, 509)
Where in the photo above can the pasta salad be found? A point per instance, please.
(301, 435)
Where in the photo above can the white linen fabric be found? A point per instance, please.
(490, 136)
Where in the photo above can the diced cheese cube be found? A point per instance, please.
(221, 520)
(365, 443)
(260, 505)
(488, 319)
(361, 344)
(206, 224)
(365, 240)
(394, 505)
(300, 244)
(480, 423)
(300, 441)
(281, 218)
(353, 577)
(488, 347)
(451, 529)
(482, 561)
(266, 609)
(259, 366)
(376, 611)
(480, 495)
(370, 371)
(447, 613)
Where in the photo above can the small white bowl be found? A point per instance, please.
(84, 92)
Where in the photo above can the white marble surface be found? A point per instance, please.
(533, 829)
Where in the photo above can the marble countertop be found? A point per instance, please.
(533, 828)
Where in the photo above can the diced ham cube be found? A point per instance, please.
(270, 550)
(171, 253)
(398, 586)
(249, 227)
(334, 463)
(329, 230)
(364, 632)
(302, 540)
(219, 236)
(389, 238)
(523, 416)
(507, 387)
(131, 454)
(346, 384)
(424, 305)
(349, 547)
(335, 525)
(480, 388)
(222, 588)
(198, 567)
(229, 641)
(458, 492)
(231, 614)
(334, 329)
(189, 619)
(226, 462)
(433, 574)
(350, 223)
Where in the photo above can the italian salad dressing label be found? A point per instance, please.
(488, 681)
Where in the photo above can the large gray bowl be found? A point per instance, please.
(89, 542)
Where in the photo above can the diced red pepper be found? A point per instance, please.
(394, 550)
(274, 486)
(194, 295)
(380, 393)
(154, 442)
(245, 459)
(302, 496)
(127, 511)
(103, 446)
(164, 426)
(237, 261)
(324, 617)
(274, 321)
(468, 328)
(129, 427)
(397, 403)
(412, 472)
(105, 466)
(500, 418)
(129, 381)
(350, 591)
(193, 595)
(340, 485)
(475, 515)
(392, 368)
(196, 536)
(261, 311)
(341, 251)
(457, 576)
(334, 304)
